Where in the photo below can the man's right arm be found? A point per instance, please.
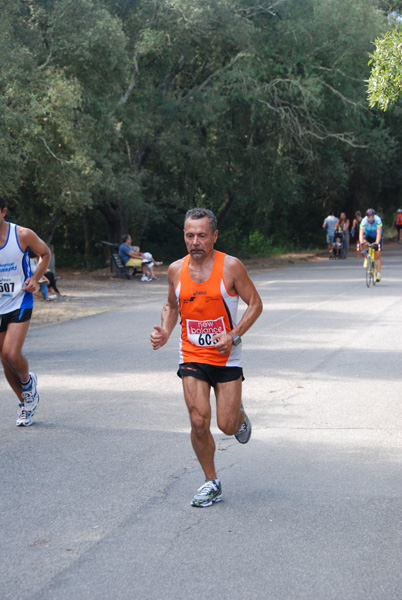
(362, 229)
(170, 311)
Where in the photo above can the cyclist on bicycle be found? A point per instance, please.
(371, 232)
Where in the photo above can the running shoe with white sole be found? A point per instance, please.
(24, 418)
(207, 494)
(244, 433)
(30, 394)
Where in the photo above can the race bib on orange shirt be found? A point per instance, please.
(200, 333)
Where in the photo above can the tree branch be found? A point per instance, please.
(320, 68)
(344, 98)
(55, 23)
(215, 74)
(131, 85)
(62, 160)
(257, 11)
(173, 74)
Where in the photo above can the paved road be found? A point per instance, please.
(95, 496)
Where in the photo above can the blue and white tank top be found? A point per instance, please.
(14, 270)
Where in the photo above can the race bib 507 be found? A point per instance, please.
(10, 286)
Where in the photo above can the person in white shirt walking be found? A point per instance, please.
(329, 227)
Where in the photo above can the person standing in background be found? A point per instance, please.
(398, 224)
(342, 225)
(329, 228)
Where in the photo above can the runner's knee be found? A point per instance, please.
(228, 426)
(10, 357)
(200, 423)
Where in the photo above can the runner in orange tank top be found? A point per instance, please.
(206, 309)
(398, 224)
(204, 288)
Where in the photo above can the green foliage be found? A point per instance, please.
(385, 82)
(121, 115)
(257, 245)
(390, 7)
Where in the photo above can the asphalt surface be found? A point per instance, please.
(95, 496)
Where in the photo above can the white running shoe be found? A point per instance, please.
(146, 278)
(24, 418)
(244, 433)
(208, 493)
(30, 395)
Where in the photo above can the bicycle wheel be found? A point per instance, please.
(368, 271)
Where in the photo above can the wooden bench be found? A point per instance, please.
(116, 264)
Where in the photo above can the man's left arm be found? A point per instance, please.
(135, 254)
(245, 288)
(379, 233)
(28, 239)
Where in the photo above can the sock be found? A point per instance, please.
(26, 384)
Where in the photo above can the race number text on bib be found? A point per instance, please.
(200, 333)
(10, 286)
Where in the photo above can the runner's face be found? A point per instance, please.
(2, 216)
(199, 238)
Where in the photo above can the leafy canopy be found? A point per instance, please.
(385, 82)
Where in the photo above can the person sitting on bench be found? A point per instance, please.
(47, 282)
(132, 257)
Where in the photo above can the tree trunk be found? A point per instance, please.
(225, 207)
(52, 224)
(88, 240)
(116, 221)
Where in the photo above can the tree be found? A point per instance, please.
(120, 115)
(385, 82)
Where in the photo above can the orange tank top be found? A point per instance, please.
(206, 309)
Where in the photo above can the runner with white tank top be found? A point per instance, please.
(14, 270)
(17, 284)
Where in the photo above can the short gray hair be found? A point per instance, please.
(200, 213)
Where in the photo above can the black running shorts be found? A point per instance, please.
(16, 316)
(210, 373)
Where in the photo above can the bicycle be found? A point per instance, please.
(371, 269)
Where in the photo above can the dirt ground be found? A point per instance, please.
(84, 294)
